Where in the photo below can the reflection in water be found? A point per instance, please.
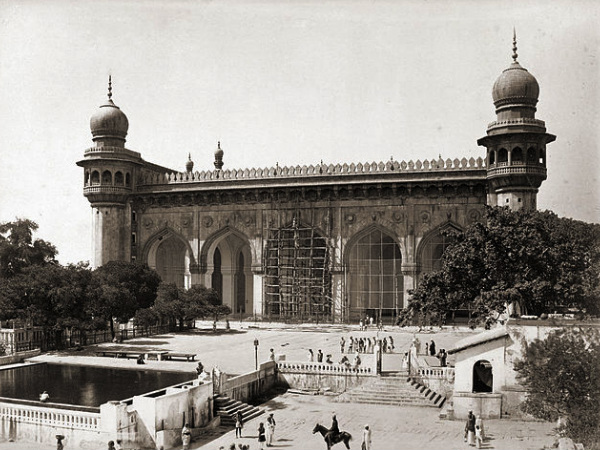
(83, 385)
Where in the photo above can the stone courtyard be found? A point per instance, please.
(296, 414)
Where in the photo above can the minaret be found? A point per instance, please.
(109, 173)
(516, 141)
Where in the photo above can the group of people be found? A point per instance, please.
(265, 434)
(366, 344)
(344, 361)
(430, 350)
(474, 430)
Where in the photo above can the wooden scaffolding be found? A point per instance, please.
(298, 281)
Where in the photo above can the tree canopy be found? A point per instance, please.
(562, 378)
(532, 259)
(19, 250)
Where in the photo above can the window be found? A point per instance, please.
(106, 177)
(502, 155)
(119, 179)
(517, 155)
(483, 378)
(95, 177)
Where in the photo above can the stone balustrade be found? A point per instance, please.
(443, 373)
(61, 418)
(322, 368)
(319, 170)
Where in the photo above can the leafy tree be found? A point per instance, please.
(19, 250)
(182, 305)
(145, 317)
(119, 289)
(562, 377)
(532, 259)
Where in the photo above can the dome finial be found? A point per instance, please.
(515, 55)
(109, 87)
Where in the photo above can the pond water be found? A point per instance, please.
(83, 385)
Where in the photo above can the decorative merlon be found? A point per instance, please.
(319, 170)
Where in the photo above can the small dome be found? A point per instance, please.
(515, 85)
(219, 151)
(109, 122)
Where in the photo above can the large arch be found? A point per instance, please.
(374, 281)
(432, 247)
(297, 273)
(483, 377)
(227, 260)
(170, 254)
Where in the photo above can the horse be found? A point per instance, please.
(342, 436)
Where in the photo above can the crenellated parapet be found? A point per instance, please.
(148, 177)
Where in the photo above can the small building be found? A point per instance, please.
(485, 380)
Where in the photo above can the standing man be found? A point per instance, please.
(270, 429)
(239, 424)
(470, 429)
(342, 344)
(366, 439)
(272, 355)
(319, 356)
(186, 436)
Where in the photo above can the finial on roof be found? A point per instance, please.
(189, 166)
(218, 144)
(219, 156)
(109, 87)
(515, 54)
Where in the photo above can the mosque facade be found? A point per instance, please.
(325, 242)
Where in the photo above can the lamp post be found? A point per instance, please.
(255, 354)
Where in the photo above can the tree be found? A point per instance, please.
(182, 305)
(145, 317)
(532, 259)
(18, 250)
(562, 378)
(119, 289)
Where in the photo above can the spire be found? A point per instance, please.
(219, 156)
(189, 165)
(109, 88)
(515, 55)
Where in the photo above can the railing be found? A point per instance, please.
(80, 420)
(110, 149)
(520, 121)
(528, 169)
(151, 178)
(440, 373)
(335, 369)
(106, 188)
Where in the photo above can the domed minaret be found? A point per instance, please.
(109, 174)
(516, 141)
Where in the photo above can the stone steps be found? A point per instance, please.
(227, 408)
(394, 390)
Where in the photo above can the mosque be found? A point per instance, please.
(325, 242)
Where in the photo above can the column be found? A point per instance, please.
(410, 272)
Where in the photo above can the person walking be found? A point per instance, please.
(186, 436)
(432, 348)
(239, 424)
(261, 436)
(470, 429)
(311, 355)
(270, 429)
(319, 356)
(342, 344)
(272, 355)
(366, 438)
(479, 423)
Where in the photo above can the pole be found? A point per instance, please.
(255, 354)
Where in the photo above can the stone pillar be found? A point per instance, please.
(257, 300)
(112, 234)
(337, 296)
(409, 272)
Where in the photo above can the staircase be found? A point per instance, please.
(227, 408)
(394, 389)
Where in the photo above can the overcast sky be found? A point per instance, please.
(289, 82)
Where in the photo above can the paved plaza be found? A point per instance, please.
(296, 415)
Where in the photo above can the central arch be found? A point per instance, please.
(374, 283)
(228, 259)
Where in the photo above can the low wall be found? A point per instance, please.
(251, 385)
(21, 422)
(438, 379)
(484, 405)
(335, 377)
(18, 357)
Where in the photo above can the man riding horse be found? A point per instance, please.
(334, 430)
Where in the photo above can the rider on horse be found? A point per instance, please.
(334, 430)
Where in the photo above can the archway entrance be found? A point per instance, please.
(375, 282)
(229, 272)
(483, 378)
(170, 261)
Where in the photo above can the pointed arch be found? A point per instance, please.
(171, 255)
(375, 284)
(433, 245)
(226, 258)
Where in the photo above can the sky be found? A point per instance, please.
(286, 82)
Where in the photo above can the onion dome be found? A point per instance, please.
(515, 86)
(109, 121)
(189, 166)
(218, 157)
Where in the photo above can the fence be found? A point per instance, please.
(61, 418)
(49, 341)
